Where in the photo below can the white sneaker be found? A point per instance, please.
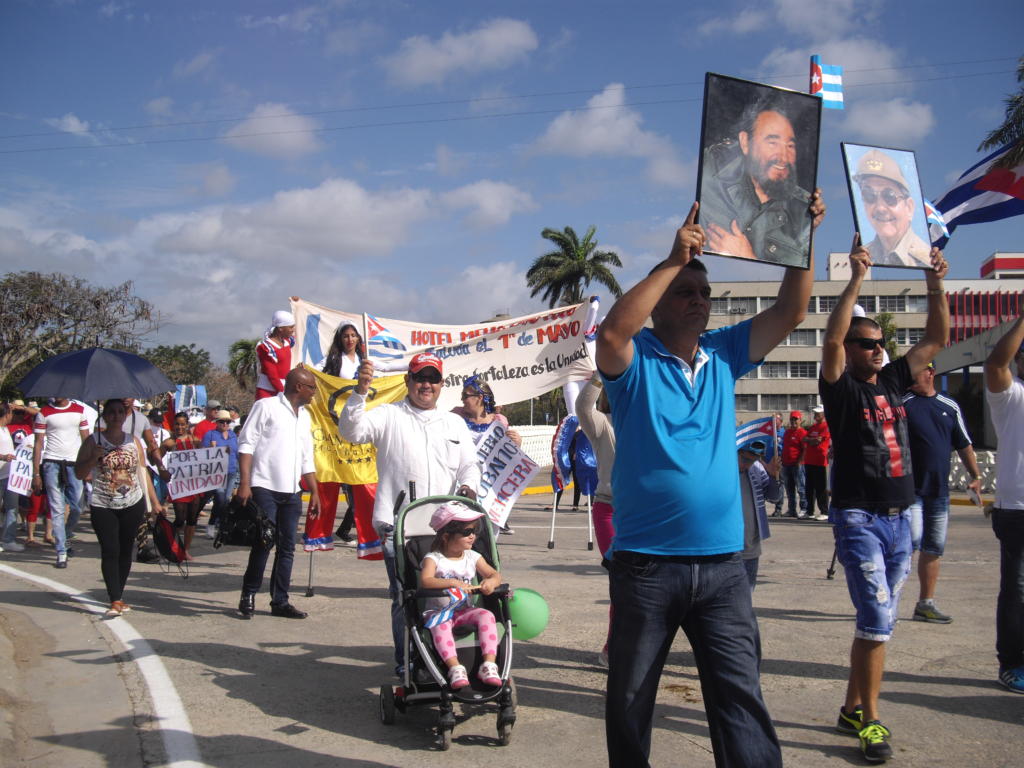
(13, 546)
(211, 531)
(602, 658)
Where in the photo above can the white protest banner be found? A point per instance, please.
(519, 357)
(196, 470)
(20, 479)
(504, 472)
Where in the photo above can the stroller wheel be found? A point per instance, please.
(505, 734)
(446, 738)
(387, 705)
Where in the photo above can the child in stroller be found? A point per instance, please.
(451, 565)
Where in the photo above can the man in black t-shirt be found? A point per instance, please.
(872, 481)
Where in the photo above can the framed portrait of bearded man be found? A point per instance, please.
(888, 206)
(758, 168)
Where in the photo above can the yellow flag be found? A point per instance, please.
(337, 460)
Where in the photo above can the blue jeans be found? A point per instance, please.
(222, 496)
(929, 521)
(394, 591)
(709, 598)
(793, 478)
(8, 514)
(1008, 526)
(284, 510)
(62, 487)
(875, 552)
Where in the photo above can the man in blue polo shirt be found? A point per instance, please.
(936, 427)
(675, 559)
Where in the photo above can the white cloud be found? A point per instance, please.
(896, 121)
(492, 203)
(496, 44)
(275, 130)
(70, 123)
(862, 60)
(447, 161)
(113, 8)
(160, 106)
(484, 290)
(740, 23)
(195, 65)
(218, 181)
(608, 127)
(822, 19)
(300, 20)
(349, 38)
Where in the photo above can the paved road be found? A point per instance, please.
(304, 693)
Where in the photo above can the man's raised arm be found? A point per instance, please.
(833, 356)
(628, 315)
(998, 376)
(936, 327)
(771, 326)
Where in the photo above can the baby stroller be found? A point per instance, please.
(425, 680)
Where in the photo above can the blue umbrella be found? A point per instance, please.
(95, 374)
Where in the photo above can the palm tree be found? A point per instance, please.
(563, 275)
(243, 363)
(1012, 129)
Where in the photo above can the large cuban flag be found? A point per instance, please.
(757, 429)
(981, 194)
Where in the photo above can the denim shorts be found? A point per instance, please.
(929, 520)
(875, 550)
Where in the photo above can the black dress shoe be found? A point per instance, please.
(247, 606)
(287, 611)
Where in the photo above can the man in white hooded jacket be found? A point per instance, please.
(415, 443)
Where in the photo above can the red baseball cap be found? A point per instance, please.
(425, 360)
(795, 415)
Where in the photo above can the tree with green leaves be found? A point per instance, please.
(243, 363)
(180, 363)
(887, 322)
(43, 315)
(564, 274)
(1012, 129)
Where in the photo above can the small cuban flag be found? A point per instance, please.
(456, 599)
(826, 83)
(936, 224)
(753, 430)
(381, 342)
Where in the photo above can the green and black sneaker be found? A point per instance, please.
(874, 742)
(850, 723)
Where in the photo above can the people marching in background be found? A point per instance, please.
(759, 483)
(186, 508)
(274, 353)
(222, 437)
(873, 484)
(1004, 393)
(817, 443)
(8, 499)
(936, 428)
(793, 466)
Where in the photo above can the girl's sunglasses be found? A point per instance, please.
(465, 532)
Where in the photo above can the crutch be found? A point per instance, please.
(309, 586)
(554, 511)
(830, 572)
(590, 522)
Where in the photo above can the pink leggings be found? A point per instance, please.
(486, 631)
(603, 530)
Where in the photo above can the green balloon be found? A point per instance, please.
(529, 613)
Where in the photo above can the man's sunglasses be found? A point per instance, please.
(890, 198)
(865, 343)
(466, 531)
(429, 378)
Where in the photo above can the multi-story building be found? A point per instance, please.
(788, 380)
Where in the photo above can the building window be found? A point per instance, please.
(775, 371)
(892, 303)
(803, 337)
(720, 306)
(827, 303)
(803, 369)
(812, 305)
(868, 303)
(766, 302)
(908, 337)
(803, 403)
(775, 403)
(746, 402)
(917, 304)
(743, 305)
(751, 374)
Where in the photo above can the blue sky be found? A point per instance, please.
(401, 158)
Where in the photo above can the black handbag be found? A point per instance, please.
(245, 525)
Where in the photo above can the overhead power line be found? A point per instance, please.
(430, 121)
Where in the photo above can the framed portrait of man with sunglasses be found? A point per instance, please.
(888, 206)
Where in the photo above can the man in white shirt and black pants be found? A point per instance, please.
(275, 451)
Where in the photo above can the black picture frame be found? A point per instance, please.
(776, 230)
(896, 235)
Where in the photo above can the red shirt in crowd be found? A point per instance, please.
(817, 455)
(792, 445)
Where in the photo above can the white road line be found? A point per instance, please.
(175, 728)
